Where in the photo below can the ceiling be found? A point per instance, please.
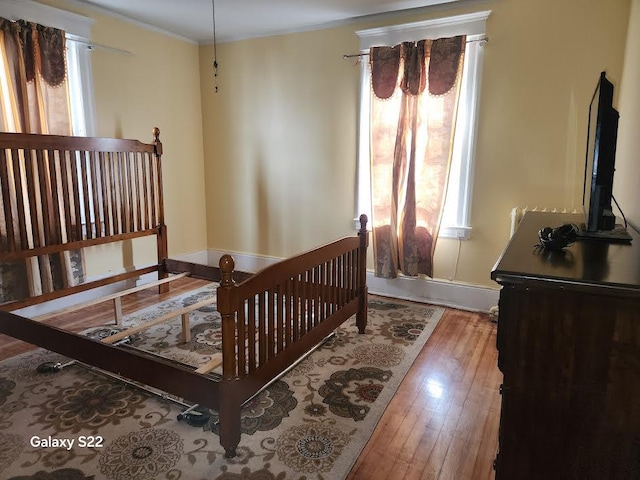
(241, 19)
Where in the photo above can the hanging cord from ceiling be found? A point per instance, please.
(215, 53)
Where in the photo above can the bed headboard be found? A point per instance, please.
(64, 193)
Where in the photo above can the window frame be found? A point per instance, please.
(474, 27)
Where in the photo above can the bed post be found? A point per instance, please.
(230, 404)
(361, 316)
(161, 237)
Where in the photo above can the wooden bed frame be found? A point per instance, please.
(50, 182)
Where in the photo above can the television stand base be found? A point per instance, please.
(618, 234)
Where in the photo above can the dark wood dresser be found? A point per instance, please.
(569, 351)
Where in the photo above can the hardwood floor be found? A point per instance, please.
(441, 425)
(443, 421)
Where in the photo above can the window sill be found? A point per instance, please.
(461, 233)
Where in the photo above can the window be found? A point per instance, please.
(455, 221)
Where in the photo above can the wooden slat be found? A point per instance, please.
(106, 298)
(86, 191)
(295, 291)
(288, 317)
(262, 325)
(280, 306)
(138, 193)
(52, 161)
(271, 325)
(7, 185)
(77, 216)
(145, 192)
(242, 341)
(116, 206)
(212, 364)
(130, 199)
(104, 194)
(308, 295)
(336, 283)
(156, 321)
(95, 194)
(251, 324)
(153, 197)
(45, 198)
(316, 296)
(122, 190)
(32, 211)
(117, 310)
(186, 327)
(66, 195)
(159, 192)
(19, 200)
(325, 290)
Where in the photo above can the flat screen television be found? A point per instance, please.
(602, 133)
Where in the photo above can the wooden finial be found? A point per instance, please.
(226, 269)
(363, 222)
(156, 140)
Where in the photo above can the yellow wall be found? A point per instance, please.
(157, 85)
(280, 135)
(277, 144)
(627, 176)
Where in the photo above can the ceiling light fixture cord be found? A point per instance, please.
(215, 54)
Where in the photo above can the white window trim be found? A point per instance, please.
(474, 27)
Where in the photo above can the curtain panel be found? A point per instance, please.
(414, 103)
(36, 100)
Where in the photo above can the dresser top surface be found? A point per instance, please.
(587, 262)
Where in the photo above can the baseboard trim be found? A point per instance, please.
(243, 262)
(463, 296)
(475, 298)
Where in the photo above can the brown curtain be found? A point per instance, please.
(415, 92)
(37, 102)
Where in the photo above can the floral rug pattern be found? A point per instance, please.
(77, 424)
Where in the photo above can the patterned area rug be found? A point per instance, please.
(311, 424)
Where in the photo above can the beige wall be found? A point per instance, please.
(280, 135)
(627, 176)
(158, 84)
(277, 144)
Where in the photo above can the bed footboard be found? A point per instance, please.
(272, 319)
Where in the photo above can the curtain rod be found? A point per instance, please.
(89, 45)
(92, 46)
(484, 40)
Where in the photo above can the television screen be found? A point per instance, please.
(600, 165)
(591, 212)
